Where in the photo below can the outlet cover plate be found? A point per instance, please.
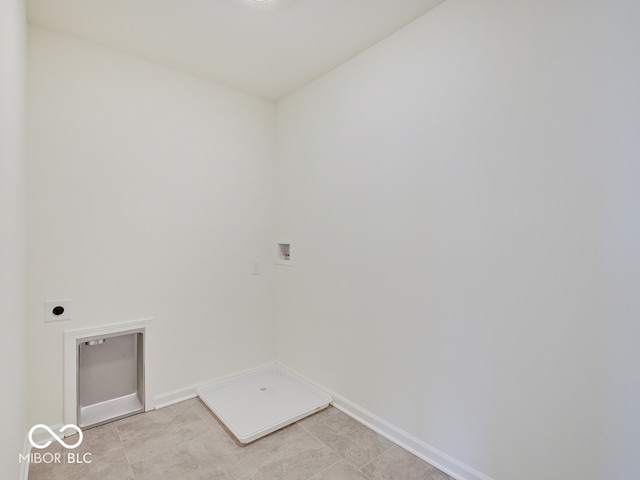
(49, 307)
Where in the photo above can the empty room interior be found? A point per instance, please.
(427, 210)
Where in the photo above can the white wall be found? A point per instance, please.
(620, 324)
(12, 233)
(150, 193)
(462, 202)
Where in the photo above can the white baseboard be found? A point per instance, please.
(26, 453)
(420, 449)
(449, 465)
(175, 396)
(40, 437)
(181, 394)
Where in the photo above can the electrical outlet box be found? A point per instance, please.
(283, 254)
(56, 310)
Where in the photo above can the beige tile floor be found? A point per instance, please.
(185, 441)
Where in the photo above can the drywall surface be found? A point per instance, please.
(150, 194)
(618, 139)
(461, 201)
(12, 233)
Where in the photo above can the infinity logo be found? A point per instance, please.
(55, 436)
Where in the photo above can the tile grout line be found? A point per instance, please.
(126, 455)
(374, 459)
(318, 438)
(358, 469)
(227, 448)
(147, 455)
(329, 447)
(205, 424)
(325, 469)
(307, 430)
(190, 410)
(229, 452)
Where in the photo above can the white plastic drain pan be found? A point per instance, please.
(262, 401)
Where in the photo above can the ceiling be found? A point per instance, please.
(269, 49)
